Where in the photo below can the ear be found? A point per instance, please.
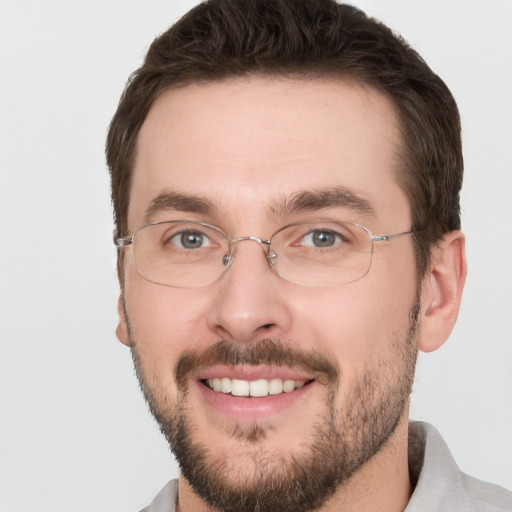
(441, 291)
(122, 331)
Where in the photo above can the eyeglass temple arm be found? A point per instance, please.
(123, 242)
(385, 238)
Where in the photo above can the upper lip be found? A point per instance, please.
(251, 373)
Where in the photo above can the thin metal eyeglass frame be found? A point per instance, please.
(121, 242)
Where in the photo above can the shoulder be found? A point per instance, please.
(165, 500)
(439, 483)
(489, 497)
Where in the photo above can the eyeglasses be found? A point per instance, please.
(187, 254)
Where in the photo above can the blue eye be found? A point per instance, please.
(321, 238)
(190, 240)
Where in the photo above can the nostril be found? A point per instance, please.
(267, 326)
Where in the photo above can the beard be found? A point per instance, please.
(342, 442)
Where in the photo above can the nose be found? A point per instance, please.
(251, 302)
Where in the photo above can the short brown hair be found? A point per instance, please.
(305, 39)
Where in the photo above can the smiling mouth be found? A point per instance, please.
(254, 388)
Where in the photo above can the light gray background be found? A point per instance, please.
(74, 432)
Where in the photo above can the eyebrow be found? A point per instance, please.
(299, 202)
(323, 198)
(179, 202)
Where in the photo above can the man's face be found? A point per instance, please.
(247, 148)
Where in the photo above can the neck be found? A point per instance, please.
(382, 484)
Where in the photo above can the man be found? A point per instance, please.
(285, 179)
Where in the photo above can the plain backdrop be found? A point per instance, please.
(75, 435)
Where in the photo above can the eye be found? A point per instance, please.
(190, 240)
(321, 238)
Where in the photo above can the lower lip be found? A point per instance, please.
(252, 408)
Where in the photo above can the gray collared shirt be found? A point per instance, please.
(440, 486)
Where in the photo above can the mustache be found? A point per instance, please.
(266, 352)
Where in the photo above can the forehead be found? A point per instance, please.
(247, 145)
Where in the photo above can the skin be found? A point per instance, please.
(246, 145)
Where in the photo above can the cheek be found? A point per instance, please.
(359, 324)
(164, 321)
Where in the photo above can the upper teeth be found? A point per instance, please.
(261, 387)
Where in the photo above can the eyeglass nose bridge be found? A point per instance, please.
(253, 238)
(229, 257)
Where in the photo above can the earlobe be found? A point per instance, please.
(122, 331)
(442, 291)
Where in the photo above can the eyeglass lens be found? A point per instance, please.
(190, 254)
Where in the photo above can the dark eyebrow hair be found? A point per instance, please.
(179, 202)
(323, 198)
(297, 203)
